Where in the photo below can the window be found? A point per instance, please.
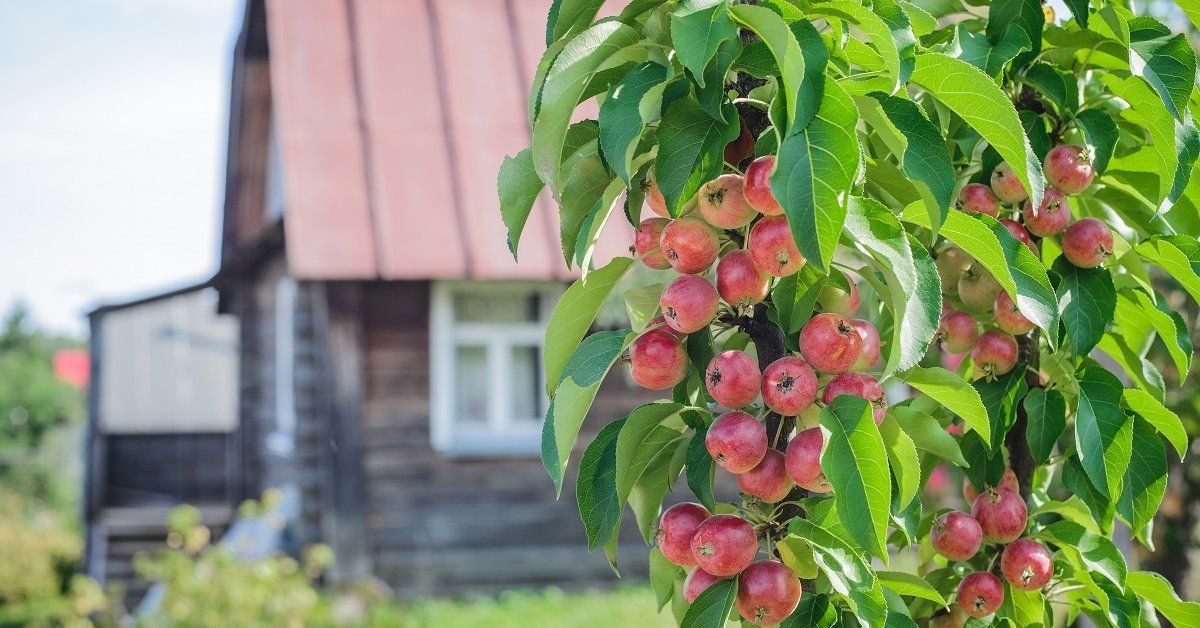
(487, 388)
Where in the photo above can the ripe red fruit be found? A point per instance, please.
(977, 289)
(1008, 318)
(675, 530)
(956, 535)
(645, 243)
(1008, 482)
(767, 593)
(978, 198)
(722, 203)
(739, 281)
(995, 353)
(690, 245)
(1069, 169)
(951, 263)
(768, 480)
(1019, 232)
(980, 594)
(654, 196)
(1027, 564)
(733, 379)
(859, 385)
(957, 331)
(789, 385)
(772, 247)
(697, 582)
(689, 303)
(724, 545)
(737, 441)
(1007, 186)
(758, 186)
(1087, 243)
(868, 355)
(657, 361)
(830, 343)
(1052, 215)
(802, 461)
(834, 299)
(660, 323)
(1001, 515)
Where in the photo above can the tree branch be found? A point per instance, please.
(1019, 456)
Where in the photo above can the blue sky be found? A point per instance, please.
(112, 131)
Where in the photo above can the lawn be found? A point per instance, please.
(628, 606)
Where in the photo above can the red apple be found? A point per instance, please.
(733, 379)
(724, 545)
(789, 385)
(675, 530)
(737, 441)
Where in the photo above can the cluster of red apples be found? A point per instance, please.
(1085, 243)
(998, 516)
(835, 350)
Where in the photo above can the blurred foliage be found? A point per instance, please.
(32, 399)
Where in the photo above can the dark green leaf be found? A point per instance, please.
(1145, 481)
(794, 297)
(1001, 396)
(691, 150)
(816, 610)
(1101, 133)
(700, 470)
(645, 433)
(1035, 128)
(1079, 9)
(712, 606)
(790, 58)
(856, 463)
(813, 174)
(985, 466)
(1076, 480)
(569, 16)
(1046, 413)
(1025, 14)
(621, 119)
(518, 186)
(974, 48)
(698, 28)
(1088, 300)
(1103, 432)
(596, 487)
(1170, 67)
(1059, 86)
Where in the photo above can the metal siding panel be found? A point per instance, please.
(417, 230)
(329, 228)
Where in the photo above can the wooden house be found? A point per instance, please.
(388, 349)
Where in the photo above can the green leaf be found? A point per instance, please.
(856, 464)
(1103, 432)
(1170, 67)
(923, 155)
(642, 304)
(1179, 256)
(928, 435)
(1147, 110)
(1102, 508)
(977, 50)
(1087, 300)
(1010, 262)
(662, 577)
(691, 144)
(1141, 370)
(1155, 589)
(986, 467)
(908, 584)
(816, 610)
(574, 315)
(663, 448)
(700, 470)
(1026, 608)
(518, 186)
(569, 16)
(789, 57)
(969, 93)
(1145, 481)
(914, 288)
(1046, 414)
(1073, 509)
(795, 296)
(1099, 554)
(712, 606)
(955, 393)
(1156, 414)
(698, 28)
(849, 575)
(1079, 10)
(596, 489)
(813, 174)
(575, 392)
(641, 439)
(1059, 86)
(1000, 396)
(581, 201)
(631, 104)
(1025, 14)
(888, 28)
(902, 454)
(1101, 133)
(566, 83)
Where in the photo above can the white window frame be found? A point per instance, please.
(499, 434)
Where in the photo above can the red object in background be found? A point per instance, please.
(72, 366)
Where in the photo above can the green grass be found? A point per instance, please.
(629, 606)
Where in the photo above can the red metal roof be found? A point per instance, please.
(392, 118)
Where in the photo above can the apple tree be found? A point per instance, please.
(966, 204)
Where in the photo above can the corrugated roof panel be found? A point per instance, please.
(329, 228)
(412, 186)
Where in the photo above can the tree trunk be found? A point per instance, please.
(1019, 456)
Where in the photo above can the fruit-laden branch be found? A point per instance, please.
(1019, 456)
